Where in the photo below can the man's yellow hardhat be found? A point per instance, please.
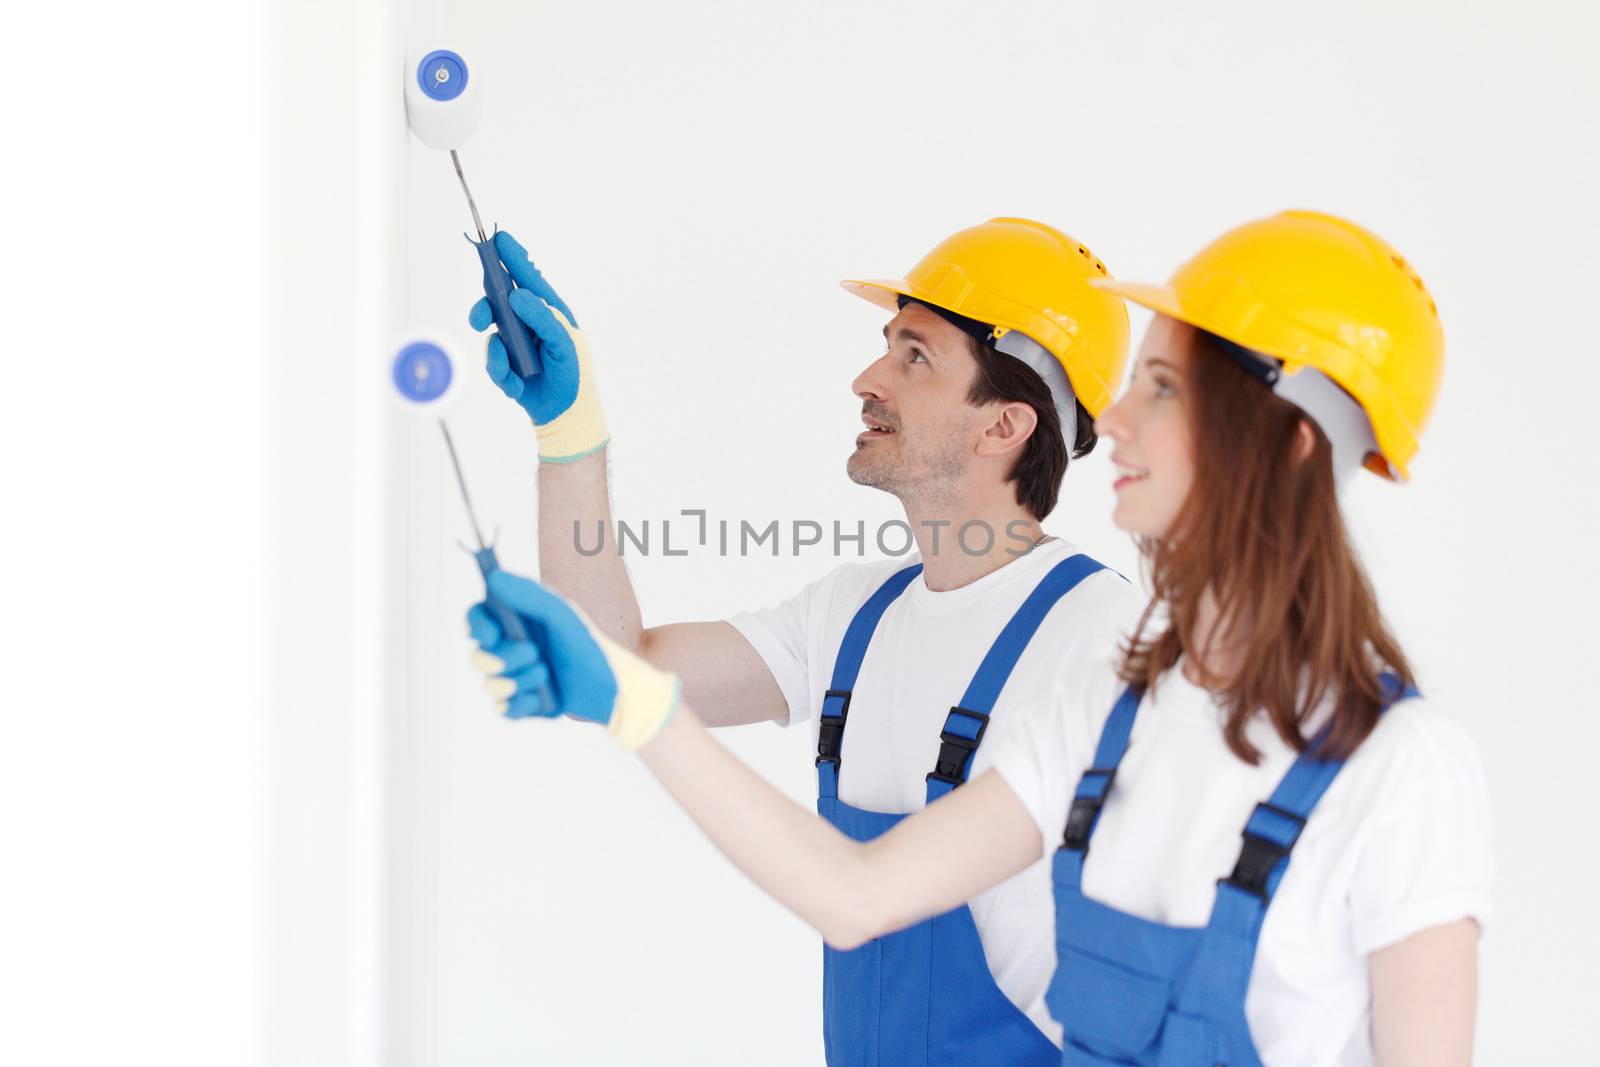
(1017, 274)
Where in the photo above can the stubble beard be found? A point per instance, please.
(923, 477)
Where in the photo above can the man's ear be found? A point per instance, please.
(1013, 424)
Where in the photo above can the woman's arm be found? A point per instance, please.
(1425, 997)
(850, 892)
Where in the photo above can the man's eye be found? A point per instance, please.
(916, 354)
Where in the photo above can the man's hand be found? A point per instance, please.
(563, 399)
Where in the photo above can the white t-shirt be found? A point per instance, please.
(922, 655)
(1398, 843)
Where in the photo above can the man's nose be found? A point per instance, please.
(869, 383)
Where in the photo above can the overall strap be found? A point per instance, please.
(964, 726)
(1275, 825)
(1095, 784)
(852, 650)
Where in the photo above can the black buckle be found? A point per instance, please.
(1260, 855)
(1085, 811)
(955, 750)
(830, 733)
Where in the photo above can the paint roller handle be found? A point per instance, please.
(520, 346)
(511, 625)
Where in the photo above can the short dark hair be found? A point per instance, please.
(1043, 464)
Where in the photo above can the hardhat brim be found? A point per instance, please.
(1158, 298)
(885, 292)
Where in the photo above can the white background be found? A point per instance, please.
(254, 807)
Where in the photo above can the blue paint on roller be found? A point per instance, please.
(422, 372)
(442, 75)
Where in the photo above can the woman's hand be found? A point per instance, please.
(587, 675)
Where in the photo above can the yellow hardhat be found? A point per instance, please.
(1017, 274)
(1316, 291)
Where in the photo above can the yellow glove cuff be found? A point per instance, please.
(646, 695)
(581, 429)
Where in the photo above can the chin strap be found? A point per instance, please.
(1337, 414)
(1020, 346)
(1334, 411)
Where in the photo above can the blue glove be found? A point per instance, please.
(570, 663)
(563, 400)
(588, 675)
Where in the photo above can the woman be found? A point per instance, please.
(1263, 693)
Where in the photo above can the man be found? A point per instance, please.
(998, 357)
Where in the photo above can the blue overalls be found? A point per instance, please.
(1129, 991)
(924, 995)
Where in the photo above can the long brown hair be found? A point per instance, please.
(1261, 532)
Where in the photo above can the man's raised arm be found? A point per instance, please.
(725, 677)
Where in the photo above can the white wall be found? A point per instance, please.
(131, 581)
(445, 888)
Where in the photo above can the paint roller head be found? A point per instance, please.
(443, 98)
(423, 376)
